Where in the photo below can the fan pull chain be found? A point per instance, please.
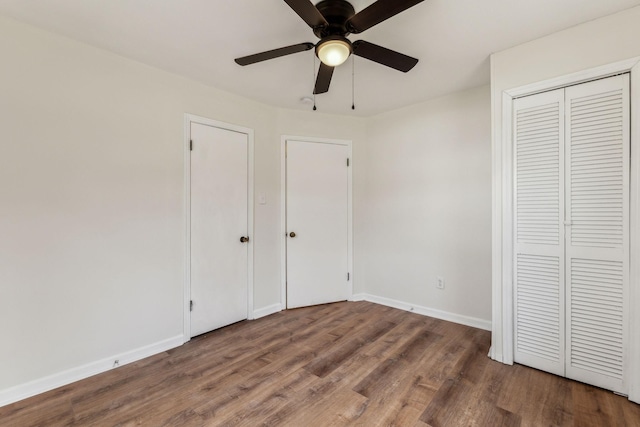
(313, 76)
(353, 82)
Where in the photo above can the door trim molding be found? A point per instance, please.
(502, 212)
(188, 119)
(283, 209)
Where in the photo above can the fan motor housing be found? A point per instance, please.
(337, 13)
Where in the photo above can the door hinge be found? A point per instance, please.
(191, 305)
(348, 276)
(347, 162)
(191, 145)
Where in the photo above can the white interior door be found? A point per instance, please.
(316, 223)
(219, 219)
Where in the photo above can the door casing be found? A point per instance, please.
(283, 210)
(188, 120)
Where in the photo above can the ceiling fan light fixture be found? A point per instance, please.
(334, 51)
(332, 21)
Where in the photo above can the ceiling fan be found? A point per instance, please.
(332, 21)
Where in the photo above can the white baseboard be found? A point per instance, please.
(426, 311)
(358, 297)
(60, 379)
(265, 311)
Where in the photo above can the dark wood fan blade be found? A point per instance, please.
(324, 79)
(307, 12)
(275, 53)
(378, 12)
(384, 56)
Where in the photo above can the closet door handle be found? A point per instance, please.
(292, 234)
(244, 239)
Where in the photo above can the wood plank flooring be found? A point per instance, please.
(332, 365)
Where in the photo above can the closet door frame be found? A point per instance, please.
(503, 214)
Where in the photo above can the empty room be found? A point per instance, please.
(315, 213)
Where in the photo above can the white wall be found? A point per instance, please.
(428, 203)
(593, 44)
(92, 202)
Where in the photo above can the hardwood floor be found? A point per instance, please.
(332, 365)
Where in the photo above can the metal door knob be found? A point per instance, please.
(292, 234)
(244, 239)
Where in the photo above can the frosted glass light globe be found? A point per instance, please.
(334, 52)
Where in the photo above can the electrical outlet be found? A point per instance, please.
(440, 283)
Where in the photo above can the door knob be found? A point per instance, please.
(292, 234)
(244, 239)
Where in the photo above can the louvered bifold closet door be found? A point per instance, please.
(597, 246)
(539, 309)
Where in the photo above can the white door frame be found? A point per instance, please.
(188, 119)
(503, 208)
(283, 210)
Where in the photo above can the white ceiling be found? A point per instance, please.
(200, 38)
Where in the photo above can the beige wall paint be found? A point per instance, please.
(428, 204)
(92, 186)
